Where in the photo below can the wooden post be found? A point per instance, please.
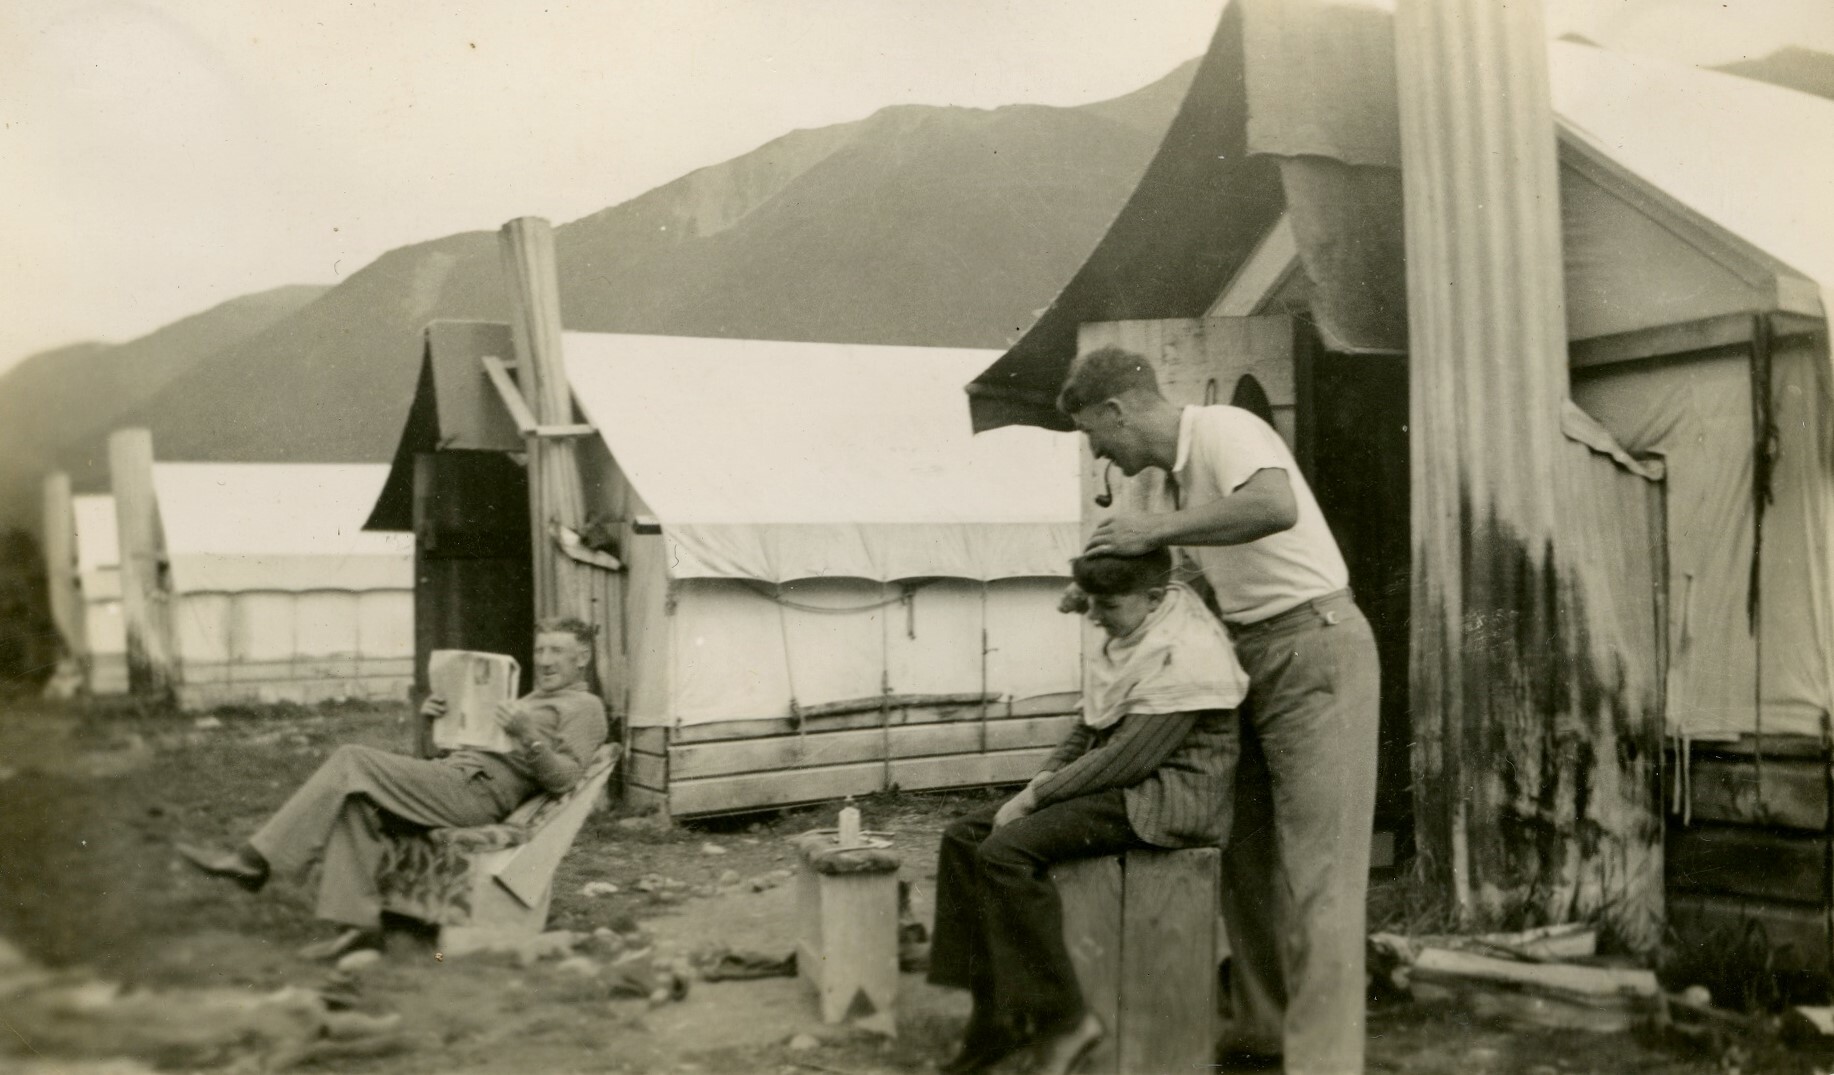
(1508, 753)
(151, 659)
(556, 499)
(61, 579)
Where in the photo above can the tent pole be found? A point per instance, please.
(145, 610)
(63, 581)
(1501, 653)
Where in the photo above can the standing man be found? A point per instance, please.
(1296, 870)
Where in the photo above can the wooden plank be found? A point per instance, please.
(652, 739)
(1738, 860)
(640, 799)
(1090, 892)
(723, 758)
(646, 770)
(1789, 938)
(1665, 341)
(1770, 746)
(1793, 794)
(758, 791)
(1168, 960)
(1563, 980)
(1043, 705)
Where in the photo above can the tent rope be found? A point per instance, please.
(774, 593)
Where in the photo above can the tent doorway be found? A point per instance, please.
(1358, 469)
(474, 585)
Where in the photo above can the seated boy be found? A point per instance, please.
(1147, 766)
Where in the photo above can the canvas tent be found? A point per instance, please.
(825, 585)
(272, 590)
(1266, 242)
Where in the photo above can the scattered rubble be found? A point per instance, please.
(71, 1015)
(595, 889)
(712, 849)
(351, 962)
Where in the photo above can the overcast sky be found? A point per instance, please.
(160, 156)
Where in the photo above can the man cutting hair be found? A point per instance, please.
(1295, 872)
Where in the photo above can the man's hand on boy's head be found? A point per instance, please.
(1124, 535)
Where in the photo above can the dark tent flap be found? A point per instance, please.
(1193, 221)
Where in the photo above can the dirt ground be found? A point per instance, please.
(92, 799)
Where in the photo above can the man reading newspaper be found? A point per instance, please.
(337, 815)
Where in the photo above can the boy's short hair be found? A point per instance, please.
(1103, 374)
(1105, 575)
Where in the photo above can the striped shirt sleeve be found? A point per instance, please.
(1137, 746)
(1074, 745)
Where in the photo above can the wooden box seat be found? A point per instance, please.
(1142, 932)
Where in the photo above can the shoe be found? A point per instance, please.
(343, 944)
(231, 865)
(1063, 1052)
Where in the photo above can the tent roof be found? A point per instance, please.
(277, 526)
(1754, 160)
(771, 459)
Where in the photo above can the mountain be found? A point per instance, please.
(1795, 67)
(916, 225)
(57, 406)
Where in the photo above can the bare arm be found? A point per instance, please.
(1260, 506)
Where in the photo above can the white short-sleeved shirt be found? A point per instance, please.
(1220, 448)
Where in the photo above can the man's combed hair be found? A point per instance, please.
(1103, 374)
(1107, 575)
(581, 630)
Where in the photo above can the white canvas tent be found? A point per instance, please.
(830, 532)
(275, 592)
(827, 585)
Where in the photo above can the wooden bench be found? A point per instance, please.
(492, 877)
(1142, 932)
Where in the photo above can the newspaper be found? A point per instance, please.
(472, 684)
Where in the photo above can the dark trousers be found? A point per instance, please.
(999, 922)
